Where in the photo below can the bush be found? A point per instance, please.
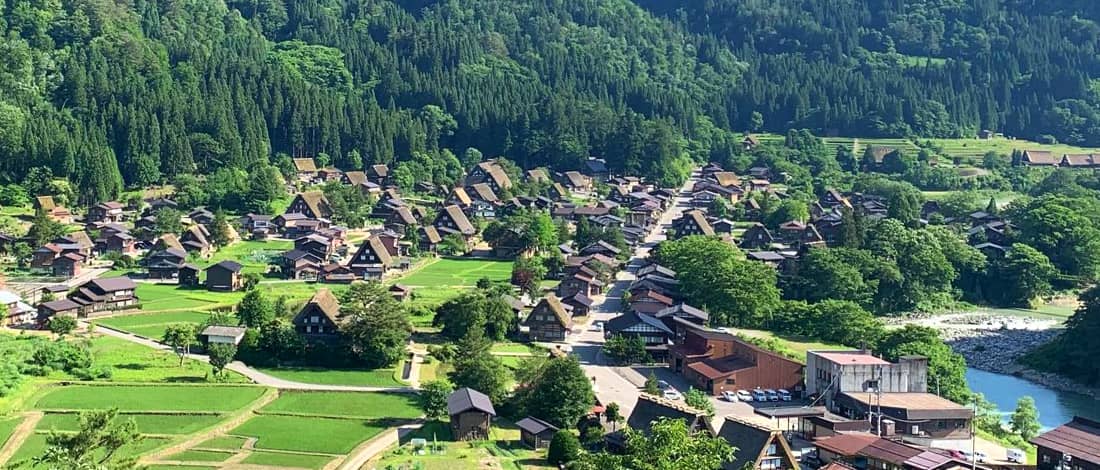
(625, 349)
(564, 448)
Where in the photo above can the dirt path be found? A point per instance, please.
(234, 421)
(372, 448)
(20, 434)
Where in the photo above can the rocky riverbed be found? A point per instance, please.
(994, 342)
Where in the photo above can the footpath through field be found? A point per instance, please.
(256, 376)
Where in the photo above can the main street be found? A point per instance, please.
(621, 384)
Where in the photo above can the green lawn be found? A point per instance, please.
(36, 444)
(443, 279)
(517, 348)
(130, 362)
(503, 448)
(6, 428)
(348, 404)
(977, 148)
(795, 344)
(223, 442)
(200, 456)
(277, 459)
(146, 423)
(253, 255)
(152, 325)
(156, 297)
(149, 398)
(458, 273)
(307, 434)
(365, 378)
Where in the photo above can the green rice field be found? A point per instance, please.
(152, 325)
(146, 423)
(346, 404)
(365, 378)
(327, 436)
(148, 398)
(277, 459)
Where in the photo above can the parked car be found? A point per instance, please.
(759, 395)
(672, 394)
(772, 395)
(784, 395)
(662, 385)
(729, 396)
(744, 395)
(1016, 456)
(597, 326)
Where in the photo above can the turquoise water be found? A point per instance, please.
(1055, 407)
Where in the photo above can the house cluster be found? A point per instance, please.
(1047, 158)
(93, 298)
(759, 445)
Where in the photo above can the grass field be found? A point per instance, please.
(458, 273)
(200, 456)
(327, 436)
(149, 398)
(365, 378)
(157, 297)
(146, 423)
(977, 148)
(444, 279)
(797, 345)
(357, 405)
(276, 459)
(130, 362)
(223, 442)
(36, 444)
(517, 348)
(503, 449)
(253, 255)
(6, 428)
(152, 325)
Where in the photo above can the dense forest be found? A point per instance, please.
(125, 94)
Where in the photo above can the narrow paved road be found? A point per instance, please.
(256, 376)
(621, 384)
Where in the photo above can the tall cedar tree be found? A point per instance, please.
(378, 329)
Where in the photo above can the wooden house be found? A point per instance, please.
(654, 333)
(451, 220)
(750, 142)
(692, 222)
(336, 273)
(196, 239)
(581, 304)
(110, 211)
(103, 294)
(756, 237)
(1039, 158)
(575, 181)
(59, 307)
(320, 318)
(491, 173)
(429, 239)
(536, 433)
(122, 242)
(312, 204)
(379, 174)
(1076, 443)
(471, 414)
(46, 205)
(165, 264)
(371, 260)
(68, 265)
(714, 362)
(305, 169)
(549, 321)
(189, 275)
(758, 447)
(596, 169)
(224, 276)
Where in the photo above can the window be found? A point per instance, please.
(315, 319)
(309, 329)
(731, 382)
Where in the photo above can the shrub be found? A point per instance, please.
(564, 448)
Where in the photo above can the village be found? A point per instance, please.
(116, 265)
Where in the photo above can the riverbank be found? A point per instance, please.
(993, 343)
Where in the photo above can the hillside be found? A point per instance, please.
(131, 93)
(929, 68)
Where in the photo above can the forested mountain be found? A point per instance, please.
(931, 68)
(122, 93)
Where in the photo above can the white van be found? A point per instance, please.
(1016, 456)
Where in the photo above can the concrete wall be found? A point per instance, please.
(909, 375)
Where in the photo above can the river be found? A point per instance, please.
(1055, 407)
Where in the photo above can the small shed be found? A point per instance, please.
(189, 275)
(535, 432)
(224, 334)
(224, 276)
(471, 414)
